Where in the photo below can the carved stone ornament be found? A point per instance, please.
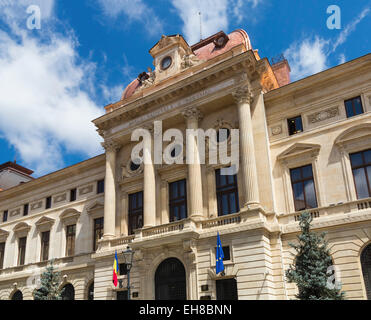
(243, 95)
(192, 113)
(189, 60)
(110, 145)
(323, 115)
(276, 130)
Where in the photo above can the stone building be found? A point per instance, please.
(304, 145)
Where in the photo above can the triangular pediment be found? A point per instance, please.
(362, 131)
(94, 206)
(169, 41)
(45, 221)
(22, 226)
(3, 233)
(69, 213)
(299, 149)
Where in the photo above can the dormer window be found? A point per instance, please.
(166, 63)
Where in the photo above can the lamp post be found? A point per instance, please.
(128, 256)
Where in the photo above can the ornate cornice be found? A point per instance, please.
(110, 145)
(243, 95)
(192, 113)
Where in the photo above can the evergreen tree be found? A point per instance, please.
(311, 264)
(50, 282)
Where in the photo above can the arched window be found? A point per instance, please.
(170, 280)
(18, 295)
(91, 291)
(68, 292)
(366, 269)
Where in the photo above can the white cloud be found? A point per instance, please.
(342, 59)
(45, 108)
(307, 57)
(342, 38)
(134, 10)
(216, 15)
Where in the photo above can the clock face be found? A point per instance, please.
(166, 63)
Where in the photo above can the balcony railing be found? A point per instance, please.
(166, 228)
(221, 221)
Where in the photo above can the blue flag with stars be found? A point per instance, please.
(219, 256)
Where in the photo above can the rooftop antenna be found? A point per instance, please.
(200, 14)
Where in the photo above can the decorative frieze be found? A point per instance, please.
(276, 130)
(60, 198)
(15, 212)
(323, 115)
(36, 205)
(85, 190)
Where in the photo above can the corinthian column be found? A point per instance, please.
(149, 205)
(192, 116)
(243, 100)
(110, 189)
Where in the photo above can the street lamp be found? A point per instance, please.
(128, 256)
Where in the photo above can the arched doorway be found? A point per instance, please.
(18, 295)
(170, 280)
(366, 269)
(68, 292)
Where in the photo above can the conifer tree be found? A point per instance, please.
(310, 268)
(50, 283)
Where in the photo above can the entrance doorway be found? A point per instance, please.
(170, 280)
(226, 289)
(366, 269)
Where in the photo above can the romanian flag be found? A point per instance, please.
(115, 270)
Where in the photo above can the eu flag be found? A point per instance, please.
(219, 256)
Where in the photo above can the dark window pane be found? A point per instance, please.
(299, 196)
(367, 156)
(353, 107)
(226, 289)
(295, 125)
(356, 160)
(358, 106)
(100, 186)
(307, 172)
(48, 204)
(135, 211)
(361, 183)
(310, 194)
(349, 108)
(25, 209)
(2, 252)
(5, 216)
(98, 232)
(227, 193)
(295, 175)
(73, 195)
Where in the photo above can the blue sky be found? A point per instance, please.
(56, 79)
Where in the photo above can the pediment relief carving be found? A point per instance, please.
(70, 216)
(300, 149)
(3, 235)
(95, 206)
(354, 134)
(22, 229)
(45, 221)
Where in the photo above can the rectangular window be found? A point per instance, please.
(2, 252)
(303, 188)
(48, 203)
(100, 186)
(123, 269)
(361, 167)
(135, 211)
(226, 193)
(353, 107)
(98, 232)
(295, 125)
(22, 251)
(70, 240)
(5, 216)
(45, 237)
(73, 194)
(178, 200)
(226, 252)
(25, 209)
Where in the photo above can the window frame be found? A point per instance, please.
(100, 186)
(2, 254)
(135, 212)
(21, 261)
(25, 209)
(97, 227)
(353, 107)
(226, 189)
(296, 130)
(44, 253)
(48, 202)
(176, 202)
(5, 215)
(364, 167)
(302, 181)
(70, 236)
(74, 193)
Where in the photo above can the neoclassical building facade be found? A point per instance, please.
(303, 146)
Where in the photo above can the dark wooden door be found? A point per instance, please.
(226, 289)
(170, 280)
(366, 269)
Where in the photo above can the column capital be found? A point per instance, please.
(110, 145)
(192, 113)
(243, 95)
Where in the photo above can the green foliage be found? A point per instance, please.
(310, 268)
(50, 283)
